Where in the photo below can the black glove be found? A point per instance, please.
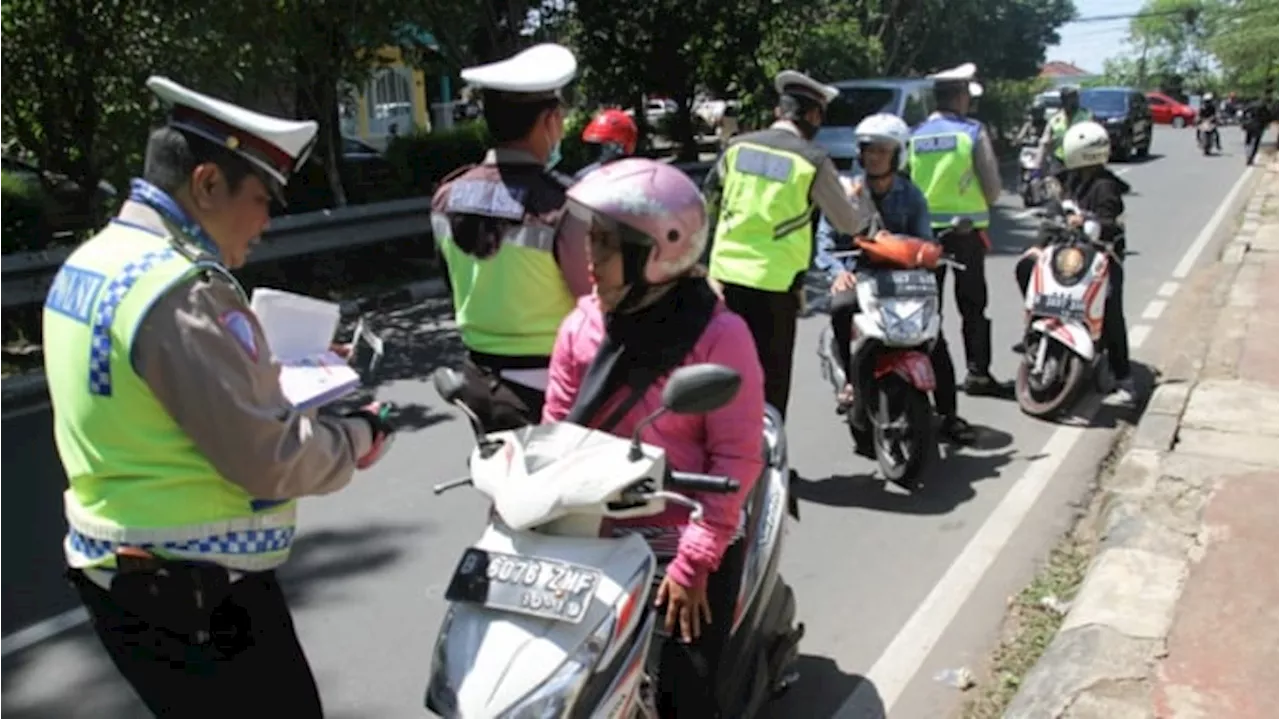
(375, 413)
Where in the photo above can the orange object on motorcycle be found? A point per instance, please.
(906, 252)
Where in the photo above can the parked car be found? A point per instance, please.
(1125, 114)
(908, 98)
(1167, 111)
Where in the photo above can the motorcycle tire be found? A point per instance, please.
(902, 455)
(1062, 388)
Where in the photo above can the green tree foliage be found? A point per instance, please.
(74, 71)
(1243, 36)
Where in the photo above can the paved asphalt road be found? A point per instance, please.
(370, 567)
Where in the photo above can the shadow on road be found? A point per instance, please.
(69, 677)
(320, 560)
(822, 688)
(947, 481)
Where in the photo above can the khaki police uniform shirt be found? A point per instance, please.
(227, 398)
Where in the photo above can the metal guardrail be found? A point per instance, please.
(27, 275)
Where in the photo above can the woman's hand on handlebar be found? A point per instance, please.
(844, 282)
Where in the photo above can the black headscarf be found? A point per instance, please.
(641, 346)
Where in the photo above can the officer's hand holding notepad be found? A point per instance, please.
(299, 332)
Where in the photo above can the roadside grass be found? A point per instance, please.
(1037, 611)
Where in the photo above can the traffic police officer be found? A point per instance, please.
(764, 191)
(1067, 116)
(953, 162)
(183, 457)
(515, 272)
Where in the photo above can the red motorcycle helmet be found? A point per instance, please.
(612, 126)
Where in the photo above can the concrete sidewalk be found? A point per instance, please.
(1177, 616)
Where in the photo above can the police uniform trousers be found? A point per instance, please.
(251, 666)
(970, 250)
(771, 317)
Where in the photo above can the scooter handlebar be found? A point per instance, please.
(696, 482)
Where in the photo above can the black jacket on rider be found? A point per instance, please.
(1100, 192)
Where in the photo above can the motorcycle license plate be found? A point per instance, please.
(1057, 305)
(906, 283)
(537, 587)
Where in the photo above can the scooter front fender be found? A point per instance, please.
(1074, 336)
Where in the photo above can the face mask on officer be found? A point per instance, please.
(806, 114)
(553, 123)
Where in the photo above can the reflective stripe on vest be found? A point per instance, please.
(764, 236)
(1059, 125)
(940, 154)
(511, 303)
(135, 476)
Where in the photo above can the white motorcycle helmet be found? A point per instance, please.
(1086, 144)
(885, 128)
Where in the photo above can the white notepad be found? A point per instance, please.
(299, 332)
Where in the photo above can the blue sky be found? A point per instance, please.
(1087, 45)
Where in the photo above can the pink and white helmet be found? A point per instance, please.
(650, 210)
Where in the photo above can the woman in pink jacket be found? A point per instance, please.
(646, 224)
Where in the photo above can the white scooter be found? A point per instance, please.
(1065, 305)
(547, 619)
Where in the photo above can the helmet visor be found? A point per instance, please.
(606, 238)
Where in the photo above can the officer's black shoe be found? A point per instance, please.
(958, 431)
(1019, 347)
(984, 385)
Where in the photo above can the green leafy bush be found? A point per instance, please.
(420, 160)
(25, 223)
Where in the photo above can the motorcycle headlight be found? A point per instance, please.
(1068, 264)
(554, 698)
(904, 320)
(1115, 120)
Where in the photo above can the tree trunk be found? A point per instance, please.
(683, 128)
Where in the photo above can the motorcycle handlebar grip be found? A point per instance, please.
(695, 482)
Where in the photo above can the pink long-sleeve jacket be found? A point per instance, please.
(726, 442)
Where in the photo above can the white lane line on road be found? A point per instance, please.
(1167, 290)
(24, 411)
(906, 653)
(1193, 253)
(40, 631)
(1138, 335)
(1154, 309)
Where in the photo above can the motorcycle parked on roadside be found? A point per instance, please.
(1065, 303)
(548, 619)
(897, 293)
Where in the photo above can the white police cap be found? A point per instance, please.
(274, 145)
(790, 82)
(961, 73)
(536, 73)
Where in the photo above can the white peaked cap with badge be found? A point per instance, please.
(274, 145)
(539, 72)
(790, 82)
(961, 73)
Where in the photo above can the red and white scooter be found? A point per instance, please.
(1065, 306)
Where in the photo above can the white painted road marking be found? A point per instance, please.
(41, 631)
(24, 411)
(1168, 289)
(1154, 309)
(1189, 260)
(901, 661)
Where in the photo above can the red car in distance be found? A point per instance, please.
(1167, 111)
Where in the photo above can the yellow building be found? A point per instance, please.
(393, 101)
